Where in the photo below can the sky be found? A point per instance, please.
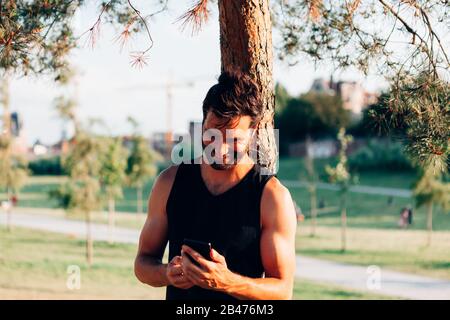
(108, 87)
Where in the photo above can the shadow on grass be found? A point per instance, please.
(319, 252)
(436, 265)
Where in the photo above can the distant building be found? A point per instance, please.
(16, 124)
(322, 86)
(354, 97)
(322, 149)
(158, 142)
(19, 141)
(39, 149)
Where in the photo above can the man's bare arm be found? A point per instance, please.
(277, 244)
(148, 265)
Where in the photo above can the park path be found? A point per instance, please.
(392, 283)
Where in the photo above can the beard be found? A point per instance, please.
(217, 166)
(237, 156)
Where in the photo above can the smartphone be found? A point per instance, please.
(204, 248)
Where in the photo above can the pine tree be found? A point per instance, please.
(82, 193)
(141, 166)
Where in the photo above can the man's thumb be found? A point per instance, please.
(176, 260)
(217, 257)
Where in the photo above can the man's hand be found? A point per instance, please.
(175, 274)
(213, 275)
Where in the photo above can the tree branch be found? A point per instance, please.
(138, 13)
(433, 33)
(411, 31)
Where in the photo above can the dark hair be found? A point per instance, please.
(235, 94)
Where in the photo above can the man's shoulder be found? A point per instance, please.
(276, 201)
(165, 179)
(168, 174)
(275, 190)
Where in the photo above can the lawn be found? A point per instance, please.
(364, 210)
(33, 265)
(293, 169)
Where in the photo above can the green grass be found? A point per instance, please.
(364, 210)
(369, 211)
(33, 265)
(402, 250)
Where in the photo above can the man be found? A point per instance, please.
(249, 218)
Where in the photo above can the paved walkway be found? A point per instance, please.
(350, 276)
(365, 278)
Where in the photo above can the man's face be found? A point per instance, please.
(227, 145)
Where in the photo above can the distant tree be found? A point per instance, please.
(369, 124)
(282, 97)
(66, 109)
(311, 115)
(296, 120)
(82, 193)
(112, 174)
(83, 165)
(329, 111)
(341, 176)
(430, 189)
(312, 185)
(141, 166)
(13, 167)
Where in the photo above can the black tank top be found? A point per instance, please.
(230, 221)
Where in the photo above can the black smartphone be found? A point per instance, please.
(204, 248)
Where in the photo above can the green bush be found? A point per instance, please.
(380, 155)
(46, 166)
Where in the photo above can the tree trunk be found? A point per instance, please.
(313, 195)
(246, 45)
(309, 162)
(139, 199)
(429, 222)
(343, 224)
(89, 241)
(6, 153)
(8, 211)
(111, 219)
